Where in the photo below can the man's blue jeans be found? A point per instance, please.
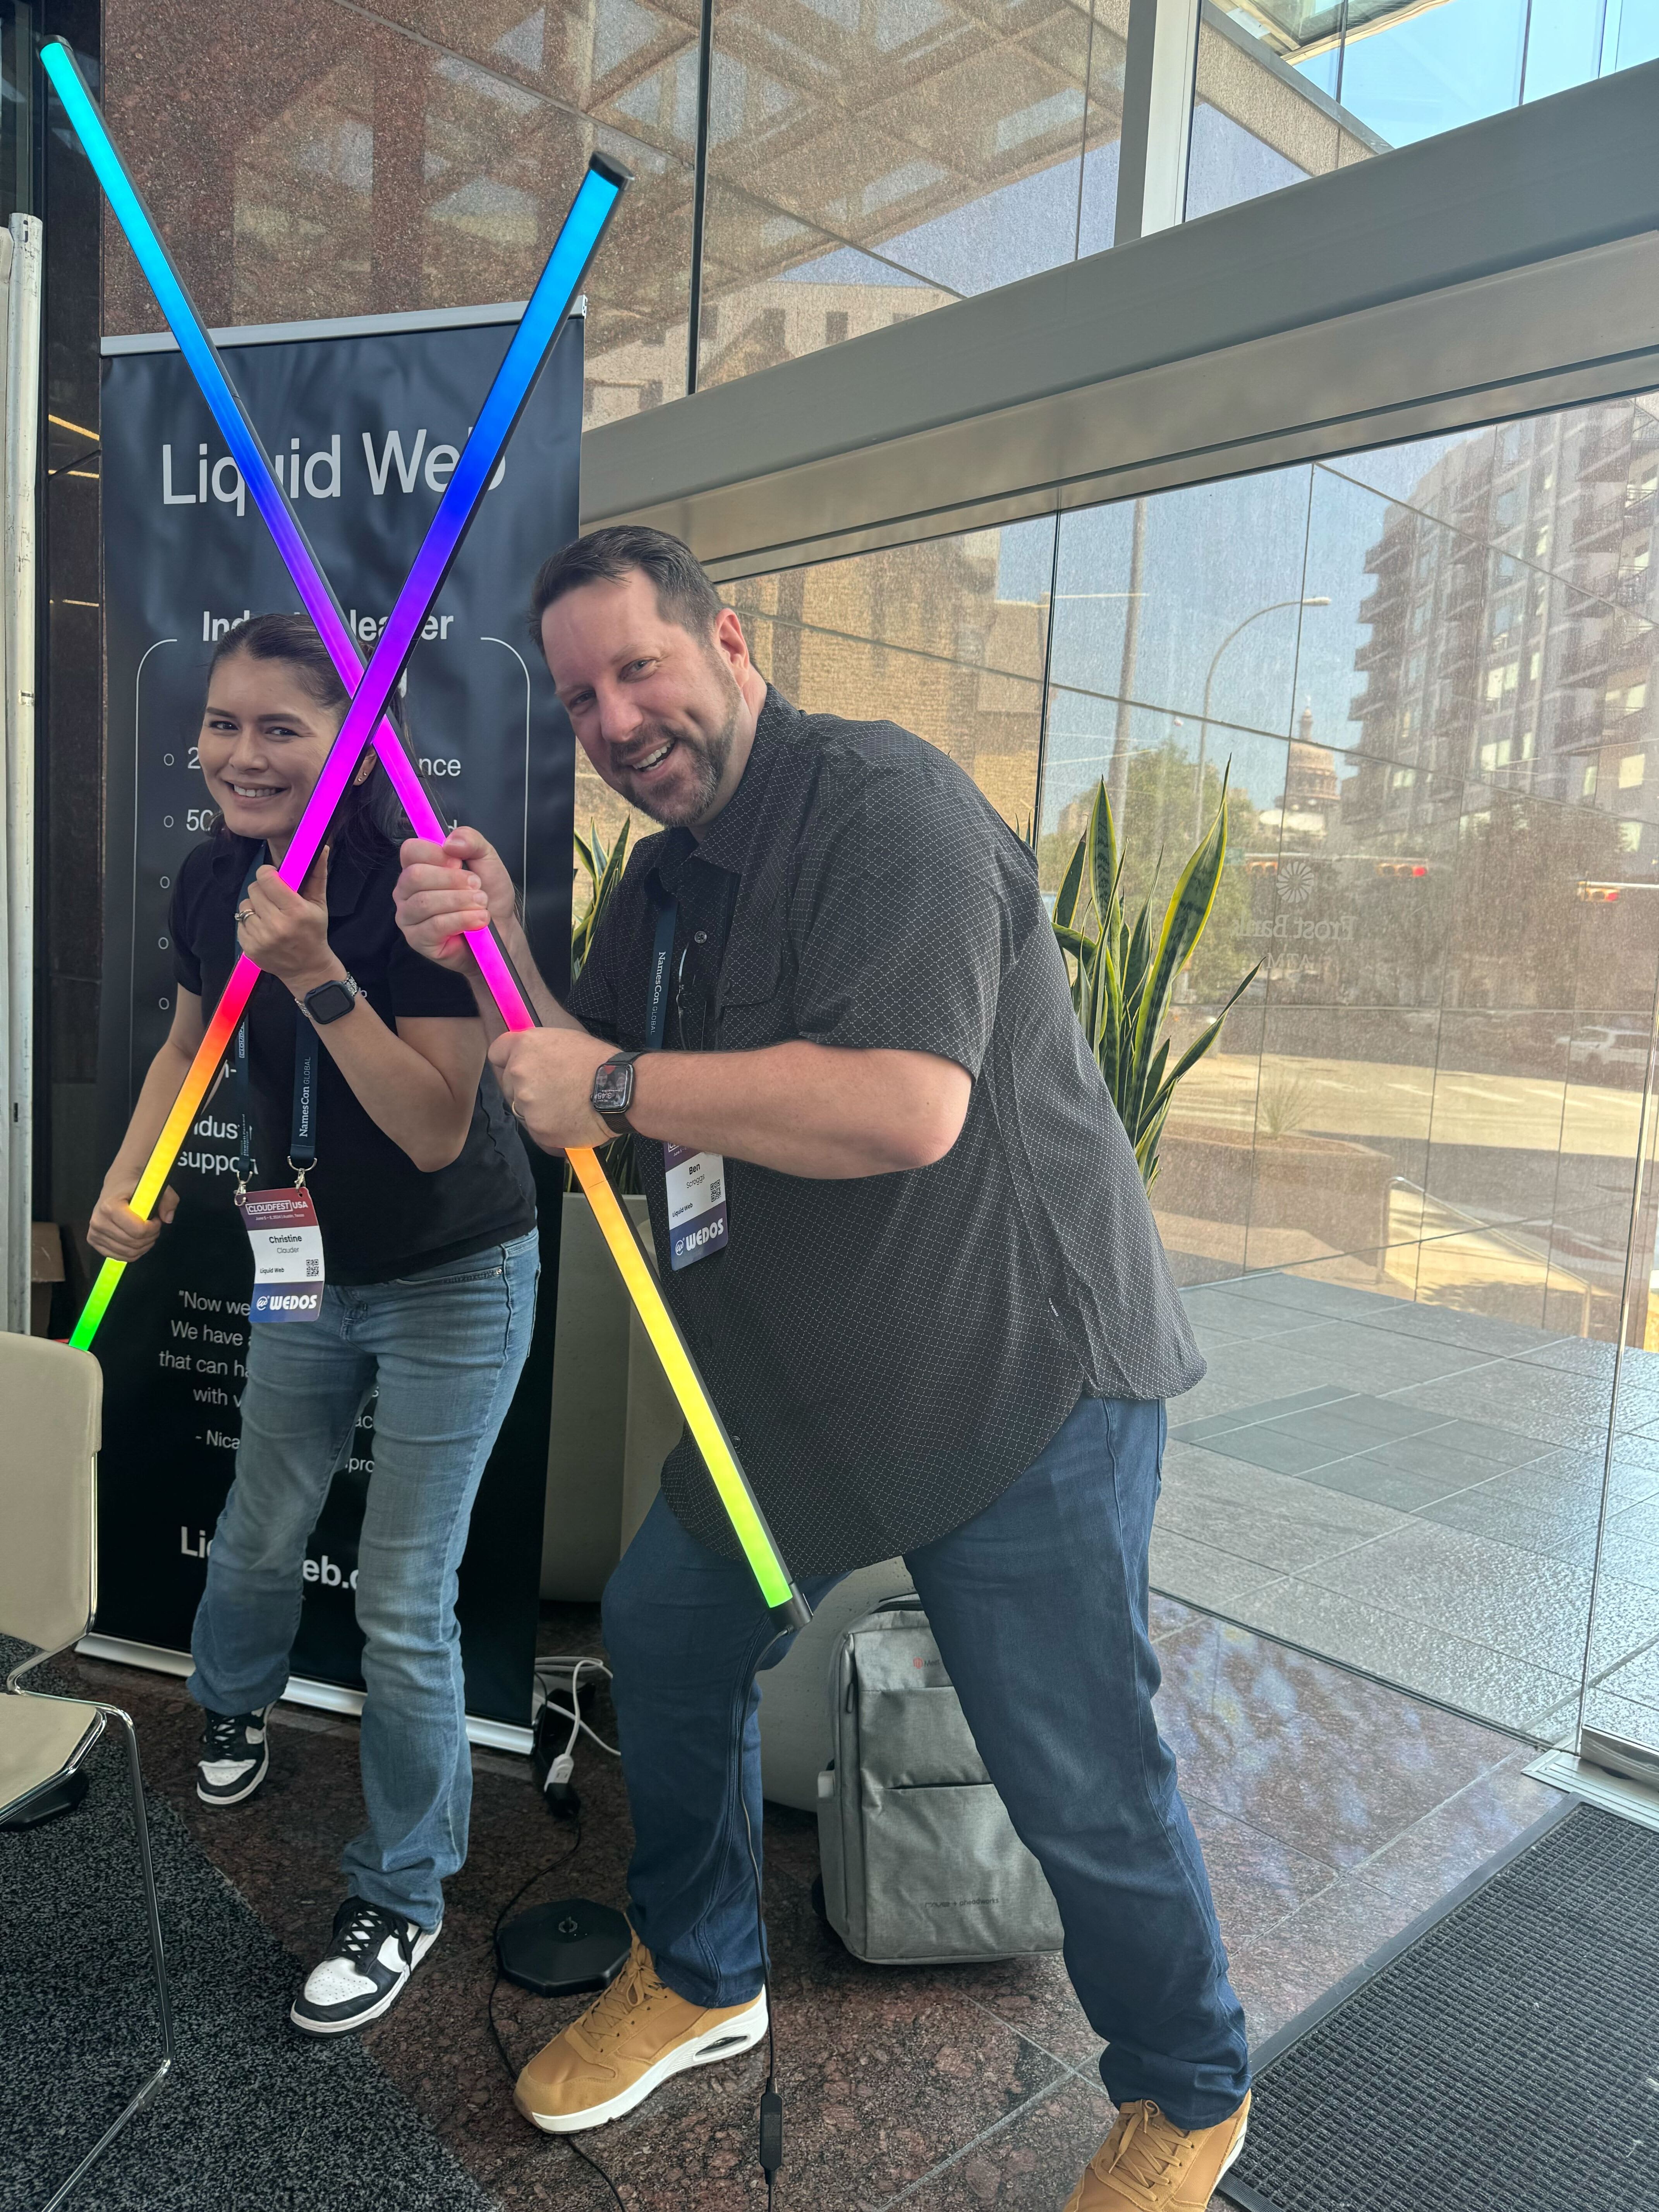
(1038, 1606)
(446, 1348)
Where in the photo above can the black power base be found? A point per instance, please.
(560, 1949)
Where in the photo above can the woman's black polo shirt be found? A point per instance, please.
(381, 1217)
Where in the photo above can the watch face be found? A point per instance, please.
(329, 1001)
(613, 1086)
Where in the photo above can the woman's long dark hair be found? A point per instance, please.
(369, 816)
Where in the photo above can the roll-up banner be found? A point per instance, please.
(365, 419)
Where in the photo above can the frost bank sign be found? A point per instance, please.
(365, 422)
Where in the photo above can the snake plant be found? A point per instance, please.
(1123, 974)
(605, 872)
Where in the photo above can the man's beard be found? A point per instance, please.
(706, 758)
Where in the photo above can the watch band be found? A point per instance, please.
(611, 1099)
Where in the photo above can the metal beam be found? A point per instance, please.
(1160, 64)
(1503, 268)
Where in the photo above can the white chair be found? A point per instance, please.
(50, 1403)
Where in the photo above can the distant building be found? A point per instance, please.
(1311, 794)
(1483, 663)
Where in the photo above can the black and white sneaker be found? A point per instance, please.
(365, 1971)
(235, 1757)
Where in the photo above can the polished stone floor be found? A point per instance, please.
(1416, 1491)
(1332, 1810)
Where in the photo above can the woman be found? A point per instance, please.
(424, 1198)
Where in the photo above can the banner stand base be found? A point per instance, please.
(321, 1697)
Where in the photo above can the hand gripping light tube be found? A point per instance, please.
(543, 317)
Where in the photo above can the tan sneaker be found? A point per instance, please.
(627, 2043)
(1148, 2164)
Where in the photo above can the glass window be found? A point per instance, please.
(871, 159)
(424, 161)
(1433, 69)
(1407, 1175)
(1288, 89)
(1154, 607)
(1258, 123)
(1415, 811)
(946, 639)
(1630, 32)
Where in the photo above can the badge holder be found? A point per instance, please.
(289, 1271)
(288, 1252)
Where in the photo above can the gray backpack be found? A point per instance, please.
(920, 1862)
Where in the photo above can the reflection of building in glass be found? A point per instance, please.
(920, 636)
(1310, 797)
(407, 156)
(1512, 639)
(867, 159)
(925, 632)
(742, 333)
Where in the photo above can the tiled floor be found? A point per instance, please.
(1332, 1811)
(1416, 1492)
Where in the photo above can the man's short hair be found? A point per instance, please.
(684, 595)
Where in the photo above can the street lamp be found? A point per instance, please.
(1323, 600)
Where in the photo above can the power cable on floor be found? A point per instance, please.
(553, 1866)
(771, 2103)
(556, 1673)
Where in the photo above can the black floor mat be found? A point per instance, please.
(255, 2118)
(1503, 2052)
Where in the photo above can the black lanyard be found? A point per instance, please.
(662, 958)
(302, 1124)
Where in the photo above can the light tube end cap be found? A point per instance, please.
(794, 1612)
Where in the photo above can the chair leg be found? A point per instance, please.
(158, 1960)
(141, 1823)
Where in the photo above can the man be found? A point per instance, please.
(933, 1309)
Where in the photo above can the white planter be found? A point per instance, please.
(614, 1418)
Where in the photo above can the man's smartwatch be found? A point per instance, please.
(613, 1091)
(331, 1000)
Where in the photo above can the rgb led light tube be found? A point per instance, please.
(543, 317)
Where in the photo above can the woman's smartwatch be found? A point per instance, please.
(331, 1000)
(613, 1091)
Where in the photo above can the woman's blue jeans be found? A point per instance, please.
(445, 1348)
(1038, 1606)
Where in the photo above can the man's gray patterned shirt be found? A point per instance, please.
(889, 1352)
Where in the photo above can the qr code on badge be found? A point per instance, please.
(313, 1267)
